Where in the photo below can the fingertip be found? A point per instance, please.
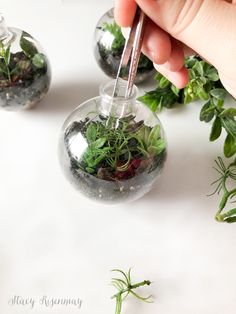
(179, 78)
(176, 60)
(156, 44)
(124, 12)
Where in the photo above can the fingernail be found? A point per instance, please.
(153, 55)
(168, 65)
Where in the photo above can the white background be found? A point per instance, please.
(54, 242)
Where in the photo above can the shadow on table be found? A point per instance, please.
(67, 96)
(185, 176)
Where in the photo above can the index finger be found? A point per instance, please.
(124, 12)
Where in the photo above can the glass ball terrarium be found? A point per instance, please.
(24, 69)
(112, 149)
(109, 44)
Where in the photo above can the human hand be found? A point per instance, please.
(174, 26)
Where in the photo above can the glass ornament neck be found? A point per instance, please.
(118, 106)
(4, 31)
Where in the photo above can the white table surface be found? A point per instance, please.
(56, 243)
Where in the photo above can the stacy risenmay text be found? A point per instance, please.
(45, 301)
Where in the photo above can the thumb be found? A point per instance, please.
(207, 26)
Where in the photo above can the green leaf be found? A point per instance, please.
(216, 130)
(90, 170)
(8, 55)
(212, 74)
(158, 148)
(230, 219)
(159, 98)
(158, 77)
(175, 90)
(207, 112)
(39, 60)
(164, 82)
(115, 30)
(99, 143)
(192, 74)
(230, 125)
(187, 97)
(3, 67)
(146, 133)
(203, 80)
(28, 47)
(154, 135)
(25, 34)
(190, 61)
(95, 159)
(229, 146)
(150, 100)
(218, 93)
(202, 94)
(199, 67)
(220, 103)
(230, 112)
(91, 133)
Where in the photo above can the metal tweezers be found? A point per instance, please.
(133, 45)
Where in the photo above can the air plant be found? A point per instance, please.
(226, 174)
(125, 288)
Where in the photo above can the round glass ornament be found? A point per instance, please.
(108, 47)
(112, 149)
(25, 73)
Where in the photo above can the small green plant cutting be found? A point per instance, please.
(15, 67)
(108, 54)
(204, 85)
(125, 287)
(226, 174)
(121, 155)
(23, 74)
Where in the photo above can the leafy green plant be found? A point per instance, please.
(226, 174)
(27, 45)
(5, 60)
(115, 30)
(205, 85)
(109, 50)
(125, 287)
(150, 141)
(117, 149)
(16, 66)
(203, 79)
(223, 118)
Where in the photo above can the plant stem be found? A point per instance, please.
(5, 55)
(229, 216)
(124, 286)
(224, 201)
(118, 304)
(8, 71)
(131, 287)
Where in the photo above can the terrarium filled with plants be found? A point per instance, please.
(109, 45)
(24, 69)
(112, 149)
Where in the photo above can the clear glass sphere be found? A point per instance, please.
(109, 44)
(112, 149)
(25, 73)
